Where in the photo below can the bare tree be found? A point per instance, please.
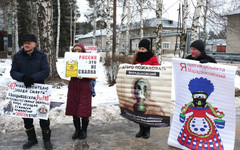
(159, 30)
(58, 28)
(127, 46)
(15, 47)
(195, 22)
(121, 24)
(45, 17)
(94, 22)
(205, 21)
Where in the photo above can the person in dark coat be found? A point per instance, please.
(79, 100)
(198, 53)
(30, 66)
(144, 56)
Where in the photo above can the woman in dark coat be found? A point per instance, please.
(79, 100)
(144, 56)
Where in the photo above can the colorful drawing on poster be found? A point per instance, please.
(8, 108)
(42, 111)
(199, 130)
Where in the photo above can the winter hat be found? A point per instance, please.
(198, 44)
(80, 45)
(29, 37)
(144, 43)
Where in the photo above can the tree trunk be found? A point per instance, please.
(205, 21)
(184, 29)
(15, 45)
(108, 38)
(196, 17)
(58, 29)
(94, 22)
(121, 25)
(141, 18)
(159, 30)
(127, 46)
(45, 17)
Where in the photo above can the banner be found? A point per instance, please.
(205, 112)
(25, 102)
(81, 64)
(144, 94)
(91, 49)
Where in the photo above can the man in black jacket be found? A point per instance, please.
(198, 53)
(31, 66)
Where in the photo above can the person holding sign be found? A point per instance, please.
(31, 66)
(198, 53)
(79, 99)
(144, 56)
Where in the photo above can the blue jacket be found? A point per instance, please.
(35, 66)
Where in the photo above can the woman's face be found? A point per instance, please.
(78, 49)
(142, 49)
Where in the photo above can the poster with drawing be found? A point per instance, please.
(205, 112)
(33, 102)
(144, 93)
(81, 64)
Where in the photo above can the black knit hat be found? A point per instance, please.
(29, 37)
(198, 44)
(144, 43)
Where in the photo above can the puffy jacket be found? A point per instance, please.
(79, 98)
(35, 66)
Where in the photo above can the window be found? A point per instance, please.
(123, 46)
(166, 45)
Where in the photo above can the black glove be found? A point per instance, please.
(203, 61)
(28, 81)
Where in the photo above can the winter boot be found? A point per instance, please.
(83, 134)
(32, 139)
(76, 122)
(46, 139)
(140, 132)
(146, 133)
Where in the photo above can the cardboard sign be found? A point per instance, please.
(144, 94)
(81, 64)
(91, 49)
(205, 112)
(25, 102)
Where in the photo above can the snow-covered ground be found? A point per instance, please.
(104, 103)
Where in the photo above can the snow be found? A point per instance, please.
(105, 103)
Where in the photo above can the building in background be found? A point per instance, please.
(170, 31)
(233, 32)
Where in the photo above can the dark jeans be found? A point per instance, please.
(44, 124)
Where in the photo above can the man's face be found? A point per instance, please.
(29, 46)
(195, 52)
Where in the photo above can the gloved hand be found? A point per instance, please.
(203, 61)
(28, 81)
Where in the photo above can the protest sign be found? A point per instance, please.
(205, 112)
(81, 64)
(91, 49)
(144, 94)
(25, 102)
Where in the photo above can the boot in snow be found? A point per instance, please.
(83, 134)
(146, 134)
(32, 139)
(76, 122)
(140, 132)
(46, 139)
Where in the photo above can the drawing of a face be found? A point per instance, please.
(141, 90)
(199, 99)
(141, 93)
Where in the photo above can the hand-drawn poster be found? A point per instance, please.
(205, 112)
(33, 102)
(81, 64)
(144, 94)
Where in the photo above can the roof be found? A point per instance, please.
(235, 12)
